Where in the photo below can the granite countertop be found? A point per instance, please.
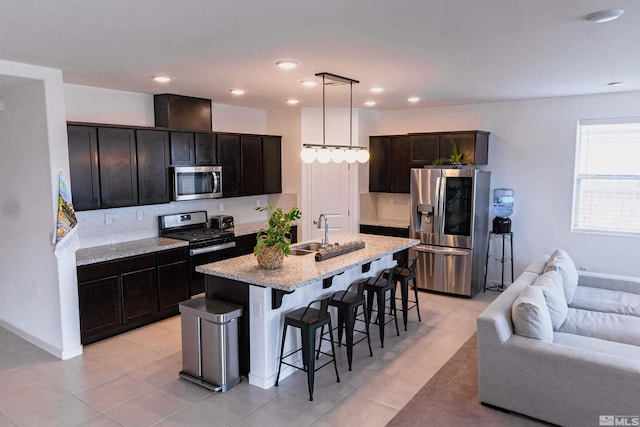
(126, 249)
(386, 222)
(300, 271)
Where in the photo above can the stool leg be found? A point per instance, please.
(284, 335)
(349, 325)
(404, 291)
(308, 349)
(415, 293)
(333, 351)
(392, 302)
(369, 304)
(366, 327)
(340, 326)
(320, 342)
(381, 312)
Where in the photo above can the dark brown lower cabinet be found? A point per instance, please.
(116, 296)
(400, 257)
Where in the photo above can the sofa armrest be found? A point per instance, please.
(609, 281)
(550, 381)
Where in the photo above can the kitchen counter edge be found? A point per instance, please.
(300, 271)
(96, 254)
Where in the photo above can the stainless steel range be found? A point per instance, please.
(205, 244)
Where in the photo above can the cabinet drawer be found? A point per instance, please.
(173, 255)
(135, 263)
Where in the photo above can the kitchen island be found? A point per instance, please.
(267, 294)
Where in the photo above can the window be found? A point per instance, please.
(606, 195)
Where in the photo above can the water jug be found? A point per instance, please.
(502, 202)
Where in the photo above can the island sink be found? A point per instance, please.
(311, 246)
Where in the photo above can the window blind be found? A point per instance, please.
(607, 177)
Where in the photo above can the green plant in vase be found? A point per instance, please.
(273, 243)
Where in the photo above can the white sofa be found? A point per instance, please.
(585, 367)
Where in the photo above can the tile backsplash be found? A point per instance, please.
(384, 206)
(106, 226)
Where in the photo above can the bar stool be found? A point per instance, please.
(347, 303)
(308, 320)
(379, 286)
(403, 275)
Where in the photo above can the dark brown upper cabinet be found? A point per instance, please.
(153, 166)
(379, 171)
(182, 149)
(393, 156)
(206, 149)
(83, 167)
(271, 164)
(251, 159)
(229, 159)
(118, 167)
(425, 149)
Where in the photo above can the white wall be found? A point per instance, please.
(531, 149)
(39, 290)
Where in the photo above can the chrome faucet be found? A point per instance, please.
(325, 218)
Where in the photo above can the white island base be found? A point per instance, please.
(268, 295)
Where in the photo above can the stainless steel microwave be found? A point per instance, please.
(196, 182)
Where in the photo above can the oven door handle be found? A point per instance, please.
(213, 248)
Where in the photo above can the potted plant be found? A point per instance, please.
(455, 159)
(272, 244)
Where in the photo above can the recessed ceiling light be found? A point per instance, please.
(615, 83)
(604, 15)
(377, 89)
(370, 103)
(287, 65)
(292, 101)
(309, 83)
(413, 99)
(162, 79)
(237, 92)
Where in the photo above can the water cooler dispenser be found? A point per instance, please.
(502, 209)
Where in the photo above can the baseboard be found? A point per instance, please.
(55, 351)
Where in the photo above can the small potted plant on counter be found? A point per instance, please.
(272, 244)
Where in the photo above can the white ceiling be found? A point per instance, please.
(445, 51)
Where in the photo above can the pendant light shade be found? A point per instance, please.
(350, 155)
(308, 155)
(363, 156)
(336, 153)
(324, 155)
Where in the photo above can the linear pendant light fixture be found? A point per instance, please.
(331, 152)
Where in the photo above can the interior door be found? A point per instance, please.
(329, 195)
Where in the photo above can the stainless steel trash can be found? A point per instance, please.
(210, 343)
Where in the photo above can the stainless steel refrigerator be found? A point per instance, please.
(450, 216)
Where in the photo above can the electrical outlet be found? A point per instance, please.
(140, 215)
(107, 218)
(221, 207)
(257, 310)
(257, 203)
(583, 268)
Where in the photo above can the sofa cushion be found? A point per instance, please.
(609, 301)
(610, 348)
(561, 262)
(530, 315)
(605, 326)
(551, 285)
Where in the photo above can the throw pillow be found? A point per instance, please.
(561, 262)
(551, 285)
(530, 315)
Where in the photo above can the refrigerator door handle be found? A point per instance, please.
(441, 250)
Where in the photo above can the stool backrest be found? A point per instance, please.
(387, 273)
(359, 284)
(324, 305)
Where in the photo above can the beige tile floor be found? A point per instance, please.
(132, 379)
